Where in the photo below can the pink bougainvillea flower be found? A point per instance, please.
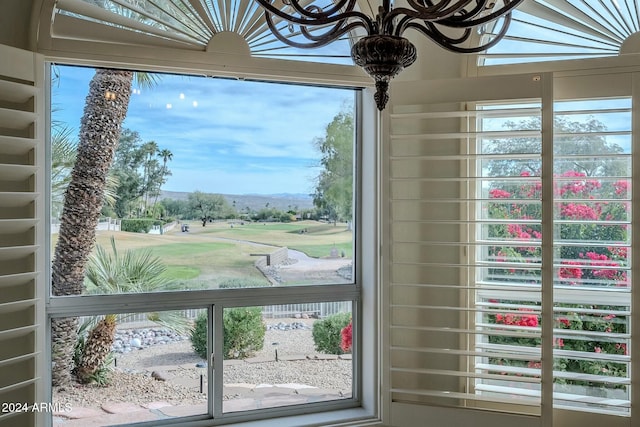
(347, 337)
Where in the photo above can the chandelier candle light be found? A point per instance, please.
(383, 52)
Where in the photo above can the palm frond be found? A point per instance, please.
(146, 80)
(111, 190)
(133, 271)
(172, 320)
(63, 156)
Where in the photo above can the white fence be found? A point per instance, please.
(317, 310)
(314, 310)
(104, 224)
(156, 229)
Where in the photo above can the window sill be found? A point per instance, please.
(354, 417)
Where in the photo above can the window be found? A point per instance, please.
(224, 274)
(236, 26)
(547, 30)
(511, 244)
(591, 234)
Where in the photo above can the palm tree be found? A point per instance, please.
(63, 157)
(150, 165)
(166, 156)
(104, 111)
(128, 272)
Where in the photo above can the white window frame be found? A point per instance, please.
(364, 407)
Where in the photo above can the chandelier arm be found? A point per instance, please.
(429, 14)
(439, 38)
(409, 15)
(269, 9)
(463, 22)
(438, 11)
(403, 25)
(334, 33)
(308, 11)
(452, 41)
(389, 27)
(480, 6)
(317, 41)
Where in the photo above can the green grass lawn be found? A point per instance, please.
(311, 237)
(206, 256)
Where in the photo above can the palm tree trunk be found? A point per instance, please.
(97, 348)
(64, 332)
(105, 110)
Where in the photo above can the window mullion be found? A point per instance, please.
(547, 252)
(216, 359)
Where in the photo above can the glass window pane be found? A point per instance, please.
(287, 355)
(218, 183)
(134, 367)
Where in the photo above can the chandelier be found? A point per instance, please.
(383, 52)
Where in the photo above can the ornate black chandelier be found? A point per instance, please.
(383, 52)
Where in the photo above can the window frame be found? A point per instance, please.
(363, 405)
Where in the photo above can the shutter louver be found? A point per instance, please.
(21, 163)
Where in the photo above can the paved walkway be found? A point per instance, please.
(262, 396)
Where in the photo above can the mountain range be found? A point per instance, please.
(282, 201)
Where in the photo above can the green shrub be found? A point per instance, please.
(138, 225)
(326, 333)
(199, 335)
(243, 333)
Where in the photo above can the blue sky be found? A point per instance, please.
(226, 136)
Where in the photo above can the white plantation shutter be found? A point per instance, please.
(593, 270)
(484, 312)
(21, 221)
(440, 352)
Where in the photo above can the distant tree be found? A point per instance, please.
(139, 173)
(176, 208)
(126, 164)
(166, 156)
(268, 214)
(572, 137)
(151, 167)
(207, 206)
(334, 185)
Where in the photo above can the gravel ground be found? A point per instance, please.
(131, 381)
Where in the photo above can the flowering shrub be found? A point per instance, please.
(327, 333)
(590, 237)
(346, 335)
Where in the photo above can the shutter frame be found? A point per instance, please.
(22, 233)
